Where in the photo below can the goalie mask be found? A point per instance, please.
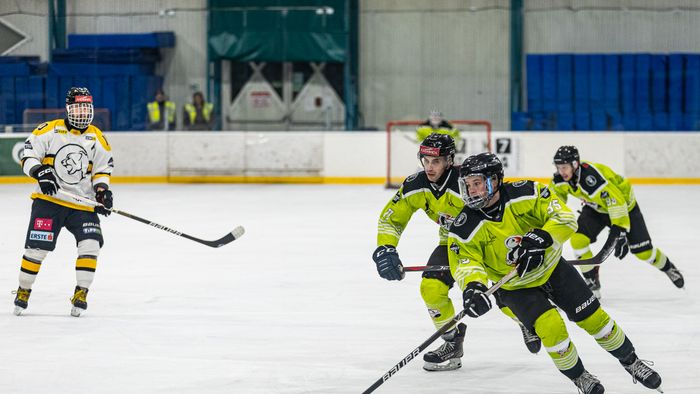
(487, 167)
(79, 107)
(437, 145)
(435, 118)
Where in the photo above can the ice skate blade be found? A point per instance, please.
(449, 365)
(659, 389)
(75, 312)
(18, 311)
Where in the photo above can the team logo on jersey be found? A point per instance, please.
(513, 241)
(45, 236)
(445, 220)
(73, 160)
(43, 224)
(411, 177)
(519, 183)
(461, 219)
(591, 181)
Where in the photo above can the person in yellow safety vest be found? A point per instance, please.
(198, 115)
(160, 109)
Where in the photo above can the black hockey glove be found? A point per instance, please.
(388, 263)
(621, 245)
(47, 179)
(104, 197)
(529, 254)
(476, 303)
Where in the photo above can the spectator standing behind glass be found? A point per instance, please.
(160, 109)
(198, 115)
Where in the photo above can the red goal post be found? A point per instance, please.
(476, 136)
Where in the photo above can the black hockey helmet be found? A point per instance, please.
(486, 165)
(437, 144)
(78, 95)
(567, 154)
(79, 107)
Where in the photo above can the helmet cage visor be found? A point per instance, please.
(478, 200)
(80, 114)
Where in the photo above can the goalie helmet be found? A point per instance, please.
(567, 154)
(488, 167)
(438, 145)
(435, 118)
(79, 107)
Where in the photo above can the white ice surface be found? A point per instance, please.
(296, 305)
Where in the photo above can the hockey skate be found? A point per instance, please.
(641, 372)
(592, 279)
(588, 384)
(21, 300)
(79, 301)
(532, 341)
(448, 356)
(672, 272)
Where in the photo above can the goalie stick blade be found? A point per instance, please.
(226, 239)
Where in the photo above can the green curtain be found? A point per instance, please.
(267, 30)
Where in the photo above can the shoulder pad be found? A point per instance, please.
(465, 223)
(519, 189)
(414, 182)
(591, 180)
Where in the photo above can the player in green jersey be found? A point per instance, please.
(437, 124)
(524, 225)
(435, 191)
(608, 202)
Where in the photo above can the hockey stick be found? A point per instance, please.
(599, 258)
(602, 255)
(426, 268)
(226, 239)
(415, 352)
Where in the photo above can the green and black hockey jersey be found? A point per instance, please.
(441, 202)
(600, 188)
(479, 242)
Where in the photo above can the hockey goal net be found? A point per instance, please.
(402, 145)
